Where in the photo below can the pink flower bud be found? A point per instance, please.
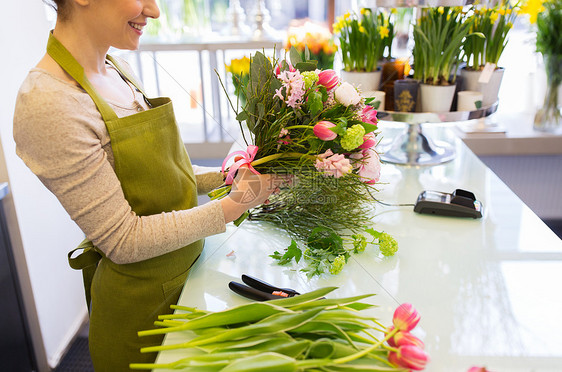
(369, 115)
(328, 78)
(409, 356)
(369, 140)
(406, 338)
(322, 130)
(477, 369)
(280, 66)
(406, 317)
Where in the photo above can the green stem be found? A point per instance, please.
(300, 126)
(366, 351)
(265, 159)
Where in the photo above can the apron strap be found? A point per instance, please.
(126, 74)
(87, 261)
(62, 56)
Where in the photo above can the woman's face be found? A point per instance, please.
(119, 23)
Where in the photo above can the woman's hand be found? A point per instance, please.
(248, 191)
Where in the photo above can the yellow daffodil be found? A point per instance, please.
(441, 10)
(346, 15)
(239, 66)
(362, 30)
(393, 11)
(494, 17)
(502, 11)
(532, 8)
(384, 31)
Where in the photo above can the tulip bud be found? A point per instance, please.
(369, 115)
(477, 369)
(322, 130)
(369, 140)
(406, 317)
(328, 78)
(409, 356)
(347, 95)
(406, 338)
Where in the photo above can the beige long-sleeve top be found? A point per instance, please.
(62, 138)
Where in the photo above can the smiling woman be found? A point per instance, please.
(114, 159)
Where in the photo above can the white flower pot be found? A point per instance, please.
(436, 98)
(364, 81)
(489, 90)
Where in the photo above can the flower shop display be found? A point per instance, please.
(308, 123)
(317, 38)
(362, 45)
(307, 332)
(239, 70)
(438, 36)
(549, 43)
(494, 23)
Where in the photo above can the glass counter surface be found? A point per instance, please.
(488, 290)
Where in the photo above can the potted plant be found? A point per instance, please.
(317, 38)
(361, 39)
(438, 37)
(549, 43)
(494, 23)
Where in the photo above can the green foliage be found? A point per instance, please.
(549, 28)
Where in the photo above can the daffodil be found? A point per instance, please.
(384, 31)
(532, 8)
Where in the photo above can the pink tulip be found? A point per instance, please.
(369, 140)
(369, 115)
(328, 78)
(477, 369)
(406, 338)
(322, 130)
(406, 317)
(409, 356)
(280, 65)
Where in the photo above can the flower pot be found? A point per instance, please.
(366, 81)
(489, 90)
(379, 98)
(436, 98)
(405, 95)
(469, 100)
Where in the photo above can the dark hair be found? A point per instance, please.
(60, 7)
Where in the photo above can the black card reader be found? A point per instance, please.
(460, 203)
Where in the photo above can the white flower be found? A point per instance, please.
(347, 95)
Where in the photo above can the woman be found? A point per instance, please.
(116, 162)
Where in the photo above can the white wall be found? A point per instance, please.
(40, 229)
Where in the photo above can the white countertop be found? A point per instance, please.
(488, 290)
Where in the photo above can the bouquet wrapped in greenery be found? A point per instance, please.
(439, 36)
(494, 23)
(302, 333)
(307, 123)
(363, 39)
(317, 38)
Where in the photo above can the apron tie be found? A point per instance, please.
(87, 261)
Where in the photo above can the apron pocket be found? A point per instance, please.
(171, 286)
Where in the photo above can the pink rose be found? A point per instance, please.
(322, 130)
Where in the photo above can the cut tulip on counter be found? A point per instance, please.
(301, 333)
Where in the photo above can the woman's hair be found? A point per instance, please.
(60, 6)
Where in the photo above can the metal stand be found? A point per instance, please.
(413, 147)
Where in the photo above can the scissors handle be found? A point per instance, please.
(266, 287)
(252, 293)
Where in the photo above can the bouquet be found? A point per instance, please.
(439, 36)
(317, 38)
(494, 23)
(239, 69)
(362, 39)
(307, 123)
(301, 333)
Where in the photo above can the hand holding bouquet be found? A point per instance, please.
(308, 124)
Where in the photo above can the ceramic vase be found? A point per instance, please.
(365, 81)
(436, 98)
(489, 90)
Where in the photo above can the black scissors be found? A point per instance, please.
(259, 290)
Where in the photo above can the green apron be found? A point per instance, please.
(156, 176)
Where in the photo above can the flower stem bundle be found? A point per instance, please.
(303, 333)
